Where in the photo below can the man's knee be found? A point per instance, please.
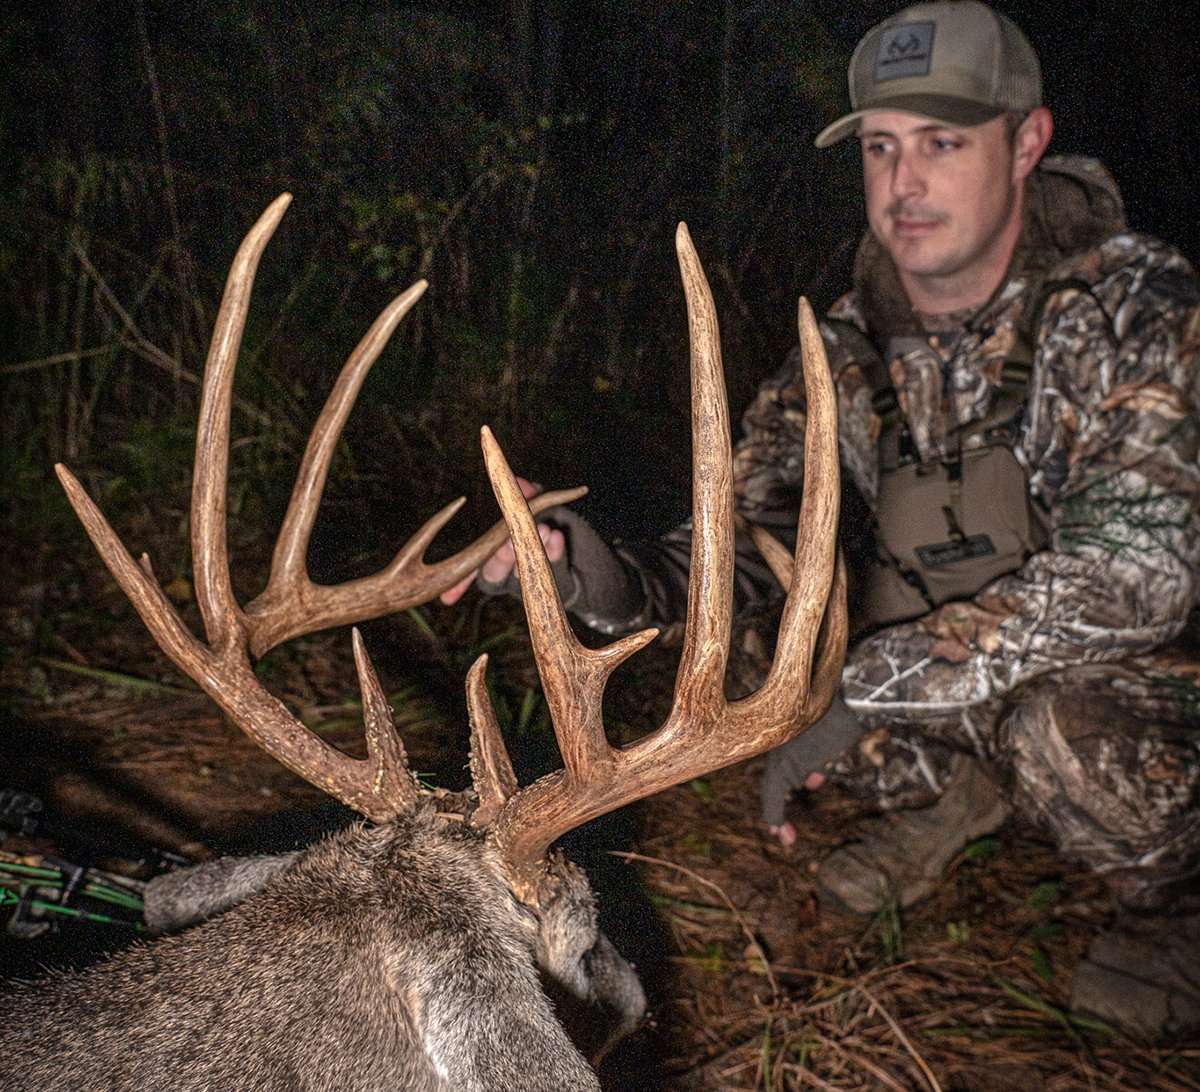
(1113, 782)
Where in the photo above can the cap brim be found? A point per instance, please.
(944, 108)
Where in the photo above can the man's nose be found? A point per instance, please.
(907, 179)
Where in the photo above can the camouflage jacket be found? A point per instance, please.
(1108, 442)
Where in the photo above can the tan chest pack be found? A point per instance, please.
(946, 528)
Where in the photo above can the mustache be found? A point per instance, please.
(898, 210)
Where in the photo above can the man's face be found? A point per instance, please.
(943, 201)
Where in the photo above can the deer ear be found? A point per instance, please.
(186, 897)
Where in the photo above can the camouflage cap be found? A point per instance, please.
(957, 62)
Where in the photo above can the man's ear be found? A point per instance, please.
(1030, 140)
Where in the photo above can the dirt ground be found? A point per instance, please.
(753, 983)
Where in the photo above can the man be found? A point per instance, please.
(1018, 385)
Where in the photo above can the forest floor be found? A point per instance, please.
(753, 983)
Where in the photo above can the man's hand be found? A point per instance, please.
(498, 567)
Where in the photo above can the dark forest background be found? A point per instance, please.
(531, 158)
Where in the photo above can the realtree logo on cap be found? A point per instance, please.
(904, 50)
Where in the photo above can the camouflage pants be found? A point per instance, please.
(1106, 758)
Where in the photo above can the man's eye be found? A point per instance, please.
(876, 147)
(946, 144)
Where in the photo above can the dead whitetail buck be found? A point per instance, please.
(406, 952)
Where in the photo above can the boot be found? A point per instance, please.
(901, 856)
(1143, 976)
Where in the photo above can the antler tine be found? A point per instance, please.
(703, 732)
(491, 768)
(137, 581)
(778, 557)
(287, 562)
(210, 554)
(831, 646)
(391, 779)
(710, 575)
(573, 681)
(816, 532)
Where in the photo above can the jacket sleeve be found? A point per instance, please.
(1111, 445)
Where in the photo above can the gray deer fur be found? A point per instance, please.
(385, 957)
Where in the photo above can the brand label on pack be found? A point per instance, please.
(937, 554)
(906, 50)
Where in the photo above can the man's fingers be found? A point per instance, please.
(497, 567)
(452, 595)
(785, 833)
(554, 541)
